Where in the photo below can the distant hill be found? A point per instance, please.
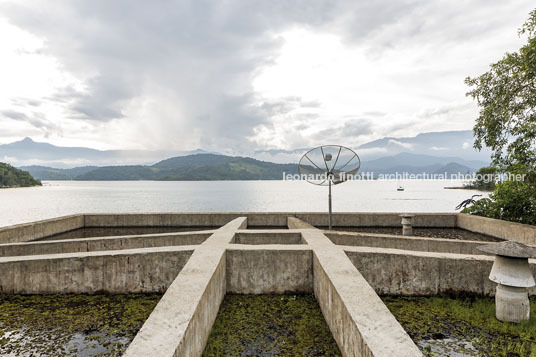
(49, 173)
(418, 164)
(438, 144)
(13, 177)
(458, 144)
(199, 167)
(209, 167)
(453, 168)
(27, 152)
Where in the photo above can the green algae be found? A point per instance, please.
(69, 324)
(270, 325)
(462, 327)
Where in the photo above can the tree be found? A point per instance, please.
(12, 177)
(506, 95)
(485, 179)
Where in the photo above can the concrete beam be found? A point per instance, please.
(181, 322)
(360, 322)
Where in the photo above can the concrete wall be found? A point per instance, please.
(40, 229)
(402, 272)
(36, 230)
(378, 219)
(274, 269)
(497, 228)
(126, 271)
(101, 244)
(266, 219)
(407, 243)
(264, 237)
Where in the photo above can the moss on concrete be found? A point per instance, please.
(466, 326)
(270, 325)
(81, 325)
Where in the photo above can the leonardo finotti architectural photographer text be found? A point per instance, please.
(486, 178)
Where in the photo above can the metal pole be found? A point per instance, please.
(329, 199)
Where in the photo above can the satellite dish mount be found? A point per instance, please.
(329, 165)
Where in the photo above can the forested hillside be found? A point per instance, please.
(13, 177)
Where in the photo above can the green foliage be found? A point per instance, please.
(12, 177)
(47, 325)
(270, 325)
(430, 320)
(506, 96)
(485, 179)
(511, 201)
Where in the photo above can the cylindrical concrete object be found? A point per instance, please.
(407, 224)
(512, 273)
(511, 303)
(407, 230)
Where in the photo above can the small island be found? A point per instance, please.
(13, 177)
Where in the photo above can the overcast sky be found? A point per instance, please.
(235, 76)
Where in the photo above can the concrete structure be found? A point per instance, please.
(255, 253)
(512, 273)
(407, 224)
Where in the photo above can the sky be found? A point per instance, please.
(238, 76)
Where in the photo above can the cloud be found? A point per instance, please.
(35, 119)
(180, 74)
(401, 144)
(11, 114)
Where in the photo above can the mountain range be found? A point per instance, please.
(29, 152)
(457, 144)
(198, 167)
(385, 156)
(206, 167)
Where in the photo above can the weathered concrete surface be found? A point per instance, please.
(181, 322)
(403, 272)
(276, 269)
(41, 229)
(101, 244)
(125, 271)
(101, 232)
(265, 219)
(406, 243)
(360, 322)
(36, 230)
(378, 219)
(264, 237)
(497, 228)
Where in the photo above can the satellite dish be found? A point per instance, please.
(329, 165)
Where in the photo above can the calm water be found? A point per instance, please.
(58, 198)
